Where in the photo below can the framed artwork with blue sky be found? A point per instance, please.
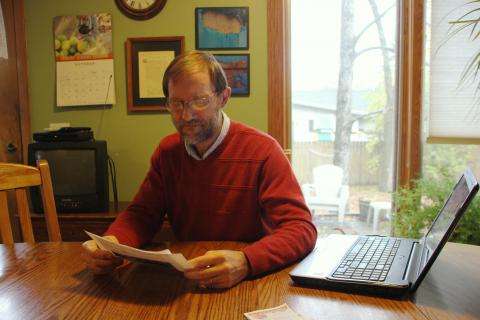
(221, 28)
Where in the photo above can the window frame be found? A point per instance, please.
(409, 79)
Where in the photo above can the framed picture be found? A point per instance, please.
(237, 69)
(221, 28)
(147, 60)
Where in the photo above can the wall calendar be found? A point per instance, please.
(84, 60)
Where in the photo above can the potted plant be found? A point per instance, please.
(363, 207)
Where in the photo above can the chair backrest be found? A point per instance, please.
(19, 177)
(328, 180)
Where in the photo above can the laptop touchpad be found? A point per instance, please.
(329, 251)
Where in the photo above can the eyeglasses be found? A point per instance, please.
(198, 104)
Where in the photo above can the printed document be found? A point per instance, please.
(176, 260)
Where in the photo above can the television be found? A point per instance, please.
(79, 171)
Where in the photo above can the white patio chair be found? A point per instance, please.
(327, 191)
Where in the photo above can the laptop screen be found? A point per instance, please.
(445, 222)
(446, 216)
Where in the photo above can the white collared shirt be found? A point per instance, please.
(225, 126)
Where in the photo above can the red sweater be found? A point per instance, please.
(244, 191)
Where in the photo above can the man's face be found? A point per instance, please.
(196, 127)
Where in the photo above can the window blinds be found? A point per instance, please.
(454, 110)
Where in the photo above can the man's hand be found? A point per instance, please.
(218, 269)
(98, 260)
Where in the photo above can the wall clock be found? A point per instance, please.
(140, 9)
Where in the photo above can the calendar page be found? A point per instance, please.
(84, 60)
(88, 82)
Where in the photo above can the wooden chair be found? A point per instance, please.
(19, 177)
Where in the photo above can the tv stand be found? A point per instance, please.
(73, 224)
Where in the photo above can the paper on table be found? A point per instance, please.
(177, 260)
(282, 312)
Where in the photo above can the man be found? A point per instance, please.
(215, 179)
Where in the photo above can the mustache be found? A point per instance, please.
(189, 123)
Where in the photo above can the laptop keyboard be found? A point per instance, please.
(369, 259)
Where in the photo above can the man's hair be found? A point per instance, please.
(194, 62)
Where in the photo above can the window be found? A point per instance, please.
(343, 79)
(413, 102)
(409, 82)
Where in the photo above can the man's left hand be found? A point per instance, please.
(218, 269)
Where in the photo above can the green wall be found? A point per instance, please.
(132, 137)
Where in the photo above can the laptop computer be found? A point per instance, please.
(379, 265)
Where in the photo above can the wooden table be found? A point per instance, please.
(49, 281)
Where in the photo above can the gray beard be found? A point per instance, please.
(199, 138)
(207, 132)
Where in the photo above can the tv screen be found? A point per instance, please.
(72, 170)
(79, 173)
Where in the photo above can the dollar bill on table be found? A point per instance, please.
(282, 312)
